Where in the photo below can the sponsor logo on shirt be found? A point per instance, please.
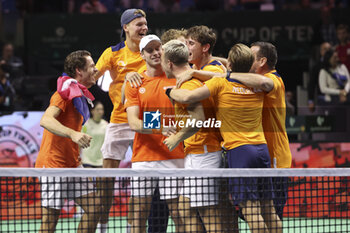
(142, 90)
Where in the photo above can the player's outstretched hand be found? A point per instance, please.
(82, 139)
(134, 78)
(171, 142)
(183, 77)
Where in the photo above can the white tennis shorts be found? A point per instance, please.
(202, 191)
(54, 190)
(169, 187)
(118, 138)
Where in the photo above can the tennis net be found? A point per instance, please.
(175, 200)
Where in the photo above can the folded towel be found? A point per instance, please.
(71, 89)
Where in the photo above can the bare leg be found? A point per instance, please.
(211, 218)
(252, 214)
(173, 205)
(49, 220)
(106, 189)
(131, 210)
(141, 211)
(273, 222)
(189, 216)
(91, 205)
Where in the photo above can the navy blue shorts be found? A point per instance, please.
(280, 185)
(250, 188)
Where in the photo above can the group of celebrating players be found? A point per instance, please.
(176, 77)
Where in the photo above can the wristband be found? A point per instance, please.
(167, 92)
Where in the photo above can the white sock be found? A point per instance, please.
(102, 227)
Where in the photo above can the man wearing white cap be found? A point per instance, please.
(149, 152)
(119, 60)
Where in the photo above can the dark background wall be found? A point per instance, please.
(49, 38)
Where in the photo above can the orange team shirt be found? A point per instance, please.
(150, 96)
(205, 140)
(119, 60)
(214, 66)
(56, 151)
(239, 108)
(274, 118)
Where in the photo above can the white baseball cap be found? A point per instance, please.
(146, 39)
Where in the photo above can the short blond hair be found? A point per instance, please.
(139, 11)
(176, 52)
(240, 58)
(173, 34)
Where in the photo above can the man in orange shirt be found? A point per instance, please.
(202, 149)
(147, 107)
(119, 60)
(274, 118)
(200, 42)
(239, 110)
(62, 137)
(273, 115)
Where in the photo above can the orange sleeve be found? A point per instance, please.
(277, 85)
(104, 62)
(131, 96)
(56, 100)
(189, 85)
(214, 85)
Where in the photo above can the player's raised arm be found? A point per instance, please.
(202, 75)
(254, 80)
(188, 97)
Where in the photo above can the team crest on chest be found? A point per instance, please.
(142, 90)
(121, 65)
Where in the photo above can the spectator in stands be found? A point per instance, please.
(315, 71)
(139, 4)
(11, 64)
(208, 5)
(290, 108)
(164, 5)
(93, 7)
(343, 48)
(231, 5)
(325, 30)
(96, 128)
(333, 80)
(7, 92)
